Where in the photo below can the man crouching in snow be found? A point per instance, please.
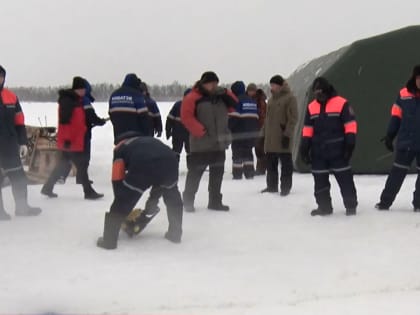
(141, 163)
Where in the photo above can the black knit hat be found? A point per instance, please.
(416, 71)
(277, 79)
(208, 77)
(78, 83)
(2, 71)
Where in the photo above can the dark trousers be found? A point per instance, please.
(126, 196)
(243, 160)
(178, 144)
(273, 171)
(81, 164)
(261, 157)
(402, 164)
(11, 166)
(341, 169)
(87, 156)
(198, 162)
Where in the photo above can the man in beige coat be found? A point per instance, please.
(278, 131)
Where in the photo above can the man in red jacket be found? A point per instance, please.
(71, 139)
(13, 141)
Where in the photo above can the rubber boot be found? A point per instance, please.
(112, 227)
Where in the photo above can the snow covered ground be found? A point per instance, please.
(266, 256)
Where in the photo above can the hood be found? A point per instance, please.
(238, 88)
(411, 84)
(131, 80)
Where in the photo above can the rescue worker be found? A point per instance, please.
(141, 163)
(261, 100)
(71, 140)
(243, 123)
(92, 120)
(404, 123)
(328, 141)
(127, 108)
(13, 147)
(278, 131)
(175, 129)
(155, 120)
(204, 112)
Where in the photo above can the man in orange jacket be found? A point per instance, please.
(13, 146)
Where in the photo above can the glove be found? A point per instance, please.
(348, 151)
(388, 141)
(285, 142)
(102, 122)
(23, 151)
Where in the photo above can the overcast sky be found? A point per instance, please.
(47, 42)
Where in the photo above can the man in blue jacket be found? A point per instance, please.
(127, 108)
(405, 122)
(176, 129)
(243, 123)
(155, 120)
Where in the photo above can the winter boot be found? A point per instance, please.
(173, 237)
(381, 207)
(215, 203)
(284, 193)
(112, 227)
(351, 211)
(48, 192)
(4, 216)
(91, 194)
(27, 211)
(321, 212)
(270, 190)
(188, 203)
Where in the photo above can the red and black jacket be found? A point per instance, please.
(12, 120)
(71, 122)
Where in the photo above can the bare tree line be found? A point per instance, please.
(101, 92)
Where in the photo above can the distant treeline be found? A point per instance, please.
(161, 93)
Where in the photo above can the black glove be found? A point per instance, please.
(102, 122)
(305, 153)
(285, 142)
(388, 141)
(348, 151)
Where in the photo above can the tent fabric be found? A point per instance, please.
(370, 74)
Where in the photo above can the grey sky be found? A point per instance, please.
(47, 42)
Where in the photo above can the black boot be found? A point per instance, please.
(215, 203)
(381, 207)
(173, 237)
(91, 194)
(4, 216)
(188, 203)
(48, 192)
(112, 227)
(322, 212)
(351, 212)
(270, 190)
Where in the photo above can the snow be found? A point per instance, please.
(266, 256)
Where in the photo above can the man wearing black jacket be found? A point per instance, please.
(13, 146)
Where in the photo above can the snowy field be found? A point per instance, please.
(266, 256)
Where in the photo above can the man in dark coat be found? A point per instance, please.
(13, 146)
(328, 141)
(404, 123)
(141, 163)
(176, 130)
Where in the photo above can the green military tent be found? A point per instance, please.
(370, 74)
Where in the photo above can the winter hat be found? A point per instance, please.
(251, 87)
(416, 71)
(277, 79)
(187, 91)
(2, 72)
(131, 80)
(208, 77)
(78, 83)
(238, 88)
